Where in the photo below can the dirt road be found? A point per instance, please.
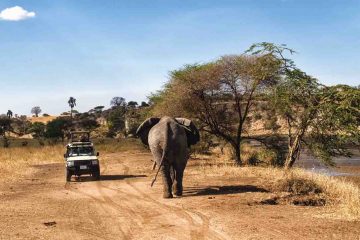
(123, 206)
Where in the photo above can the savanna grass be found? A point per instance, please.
(342, 196)
(16, 161)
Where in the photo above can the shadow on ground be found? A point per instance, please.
(119, 177)
(106, 178)
(221, 190)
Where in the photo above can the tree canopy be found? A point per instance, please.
(36, 110)
(222, 96)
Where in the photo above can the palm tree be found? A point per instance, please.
(72, 104)
(9, 114)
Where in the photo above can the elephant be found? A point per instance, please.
(169, 140)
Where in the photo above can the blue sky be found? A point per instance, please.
(94, 50)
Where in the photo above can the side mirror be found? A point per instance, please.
(97, 154)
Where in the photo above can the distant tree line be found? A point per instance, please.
(115, 119)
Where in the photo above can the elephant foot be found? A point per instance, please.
(178, 193)
(167, 195)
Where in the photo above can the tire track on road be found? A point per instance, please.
(71, 210)
(195, 232)
(102, 204)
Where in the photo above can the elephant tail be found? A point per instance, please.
(163, 156)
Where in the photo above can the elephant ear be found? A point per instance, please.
(144, 129)
(192, 133)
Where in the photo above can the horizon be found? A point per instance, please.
(96, 51)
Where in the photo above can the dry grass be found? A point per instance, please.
(42, 119)
(17, 161)
(341, 197)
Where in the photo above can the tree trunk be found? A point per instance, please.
(294, 153)
(236, 147)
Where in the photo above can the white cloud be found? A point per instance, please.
(15, 14)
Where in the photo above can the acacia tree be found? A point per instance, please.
(220, 94)
(57, 128)
(72, 104)
(324, 119)
(37, 130)
(132, 104)
(118, 102)
(36, 110)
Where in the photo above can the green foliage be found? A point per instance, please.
(220, 94)
(258, 116)
(57, 128)
(275, 51)
(118, 102)
(88, 124)
(5, 126)
(271, 124)
(37, 130)
(132, 104)
(144, 104)
(325, 119)
(98, 109)
(336, 126)
(72, 102)
(116, 120)
(264, 80)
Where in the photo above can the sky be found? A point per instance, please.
(95, 50)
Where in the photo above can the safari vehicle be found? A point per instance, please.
(80, 156)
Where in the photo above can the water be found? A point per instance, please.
(309, 162)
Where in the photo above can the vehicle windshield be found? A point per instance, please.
(80, 151)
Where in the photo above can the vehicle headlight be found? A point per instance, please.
(95, 162)
(70, 164)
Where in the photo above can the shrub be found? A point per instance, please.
(254, 155)
(257, 116)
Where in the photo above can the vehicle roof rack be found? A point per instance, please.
(77, 144)
(80, 137)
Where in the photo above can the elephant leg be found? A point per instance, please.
(167, 181)
(177, 186)
(173, 176)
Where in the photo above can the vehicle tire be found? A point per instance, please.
(96, 174)
(68, 175)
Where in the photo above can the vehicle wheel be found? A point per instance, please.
(68, 175)
(96, 174)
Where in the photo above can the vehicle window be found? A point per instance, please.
(81, 151)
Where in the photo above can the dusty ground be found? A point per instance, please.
(123, 206)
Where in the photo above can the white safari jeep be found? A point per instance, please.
(80, 156)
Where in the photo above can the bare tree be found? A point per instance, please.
(36, 110)
(118, 102)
